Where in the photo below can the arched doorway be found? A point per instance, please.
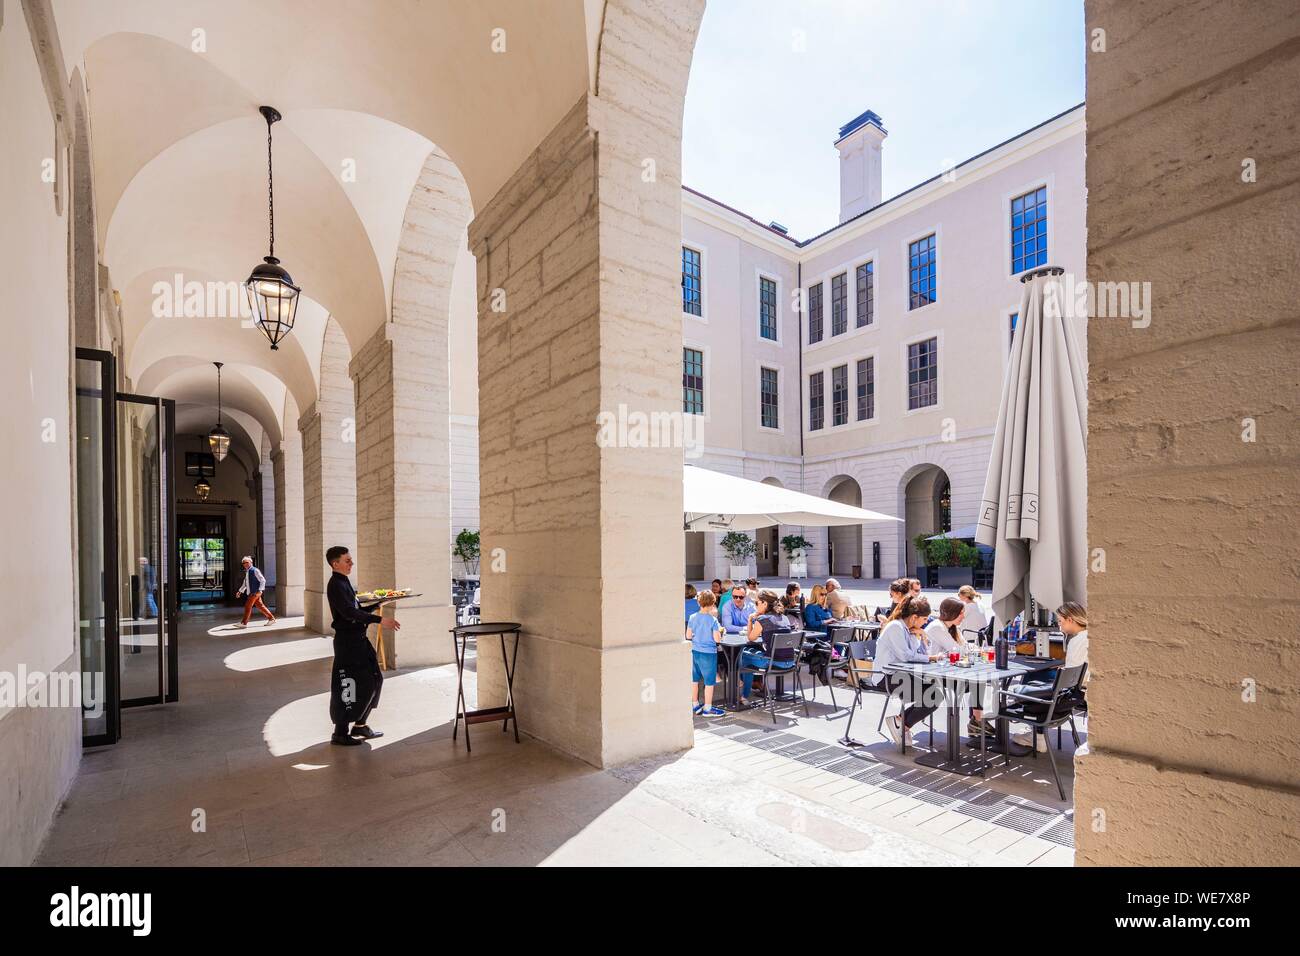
(927, 509)
(844, 543)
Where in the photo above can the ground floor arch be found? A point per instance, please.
(926, 496)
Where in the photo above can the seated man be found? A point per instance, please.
(735, 614)
(838, 602)
(1073, 618)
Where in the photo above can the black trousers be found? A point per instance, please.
(908, 690)
(355, 680)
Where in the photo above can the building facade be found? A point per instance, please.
(865, 364)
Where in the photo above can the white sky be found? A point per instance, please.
(949, 78)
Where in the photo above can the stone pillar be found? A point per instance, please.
(329, 478)
(716, 564)
(402, 388)
(266, 514)
(1193, 176)
(287, 467)
(581, 247)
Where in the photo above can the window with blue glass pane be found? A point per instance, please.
(692, 381)
(769, 398)
(1029, 230)
(866, 294)
(866, 389)
(815, 313)
(840, 395)
(922, 273)
(840, 304)
(816, 402)
(692, 283)
(1011, 339)
(767, 308)
(923, 374)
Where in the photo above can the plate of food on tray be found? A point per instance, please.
(385, 594)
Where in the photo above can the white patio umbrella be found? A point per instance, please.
(716, 502)
(1034, 510)
(956, 534)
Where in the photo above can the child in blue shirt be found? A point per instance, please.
(705, 634)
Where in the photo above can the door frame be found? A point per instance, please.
(112, 627)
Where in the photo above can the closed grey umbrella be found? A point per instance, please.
(1035, 505)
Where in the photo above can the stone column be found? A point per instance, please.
(1193, 450)
(266, 514)
(716, 564)
(579, 312)
(287, 467)
(329, 474)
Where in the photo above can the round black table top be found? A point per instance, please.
(486, 627)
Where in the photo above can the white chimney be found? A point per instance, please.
(859, 144)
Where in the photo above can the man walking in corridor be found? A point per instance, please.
(355, 677)
(254, 584)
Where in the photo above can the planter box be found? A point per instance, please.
(799, 569)
(739, 572)
(956, 577)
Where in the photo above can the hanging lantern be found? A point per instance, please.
(218, 437)
(271, 293)
(202, 489)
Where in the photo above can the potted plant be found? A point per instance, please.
(796, 548)
(922, 550)
(739, 547)
(467, 549)
(955, 562)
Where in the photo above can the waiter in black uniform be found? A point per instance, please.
(355, 678)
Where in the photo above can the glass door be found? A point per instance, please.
(202, 544)
(97, 619)
(146, 597)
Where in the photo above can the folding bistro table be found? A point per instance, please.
(955, 681)
(460, 637)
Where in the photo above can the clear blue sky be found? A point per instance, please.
(950, 78)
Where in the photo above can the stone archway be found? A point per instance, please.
(925, 493)
(844, 543)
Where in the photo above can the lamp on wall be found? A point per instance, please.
(219, 438)
(271, 293)
(202, 489)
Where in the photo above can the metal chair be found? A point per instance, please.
(840, 635)
(782, 661)
(1043, 712)
(884, 686)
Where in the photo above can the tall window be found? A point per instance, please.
(866, 293)
(1011, 338)
(692, 282)
(767, 308)
(866, 389)
(692, 381)
(840, 395)
(840, 304)
(945, 507)
(1029, 230)
(922, 272)
(815, 313)
(816, 402)
(923, 374)
(769, 398)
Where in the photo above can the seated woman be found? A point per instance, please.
(898, 590)
(902, 641)
(815, 613)
(944, 635)
(692, 605)
(976, 617)
(766, 622)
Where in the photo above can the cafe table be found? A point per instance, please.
(731, 646)
(955, 680)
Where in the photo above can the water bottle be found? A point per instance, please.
(1000, 653)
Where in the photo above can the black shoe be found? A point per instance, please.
(342, 741)
(365, 733)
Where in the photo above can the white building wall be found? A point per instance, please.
(969, 212)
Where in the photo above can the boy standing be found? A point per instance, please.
(705, 634)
